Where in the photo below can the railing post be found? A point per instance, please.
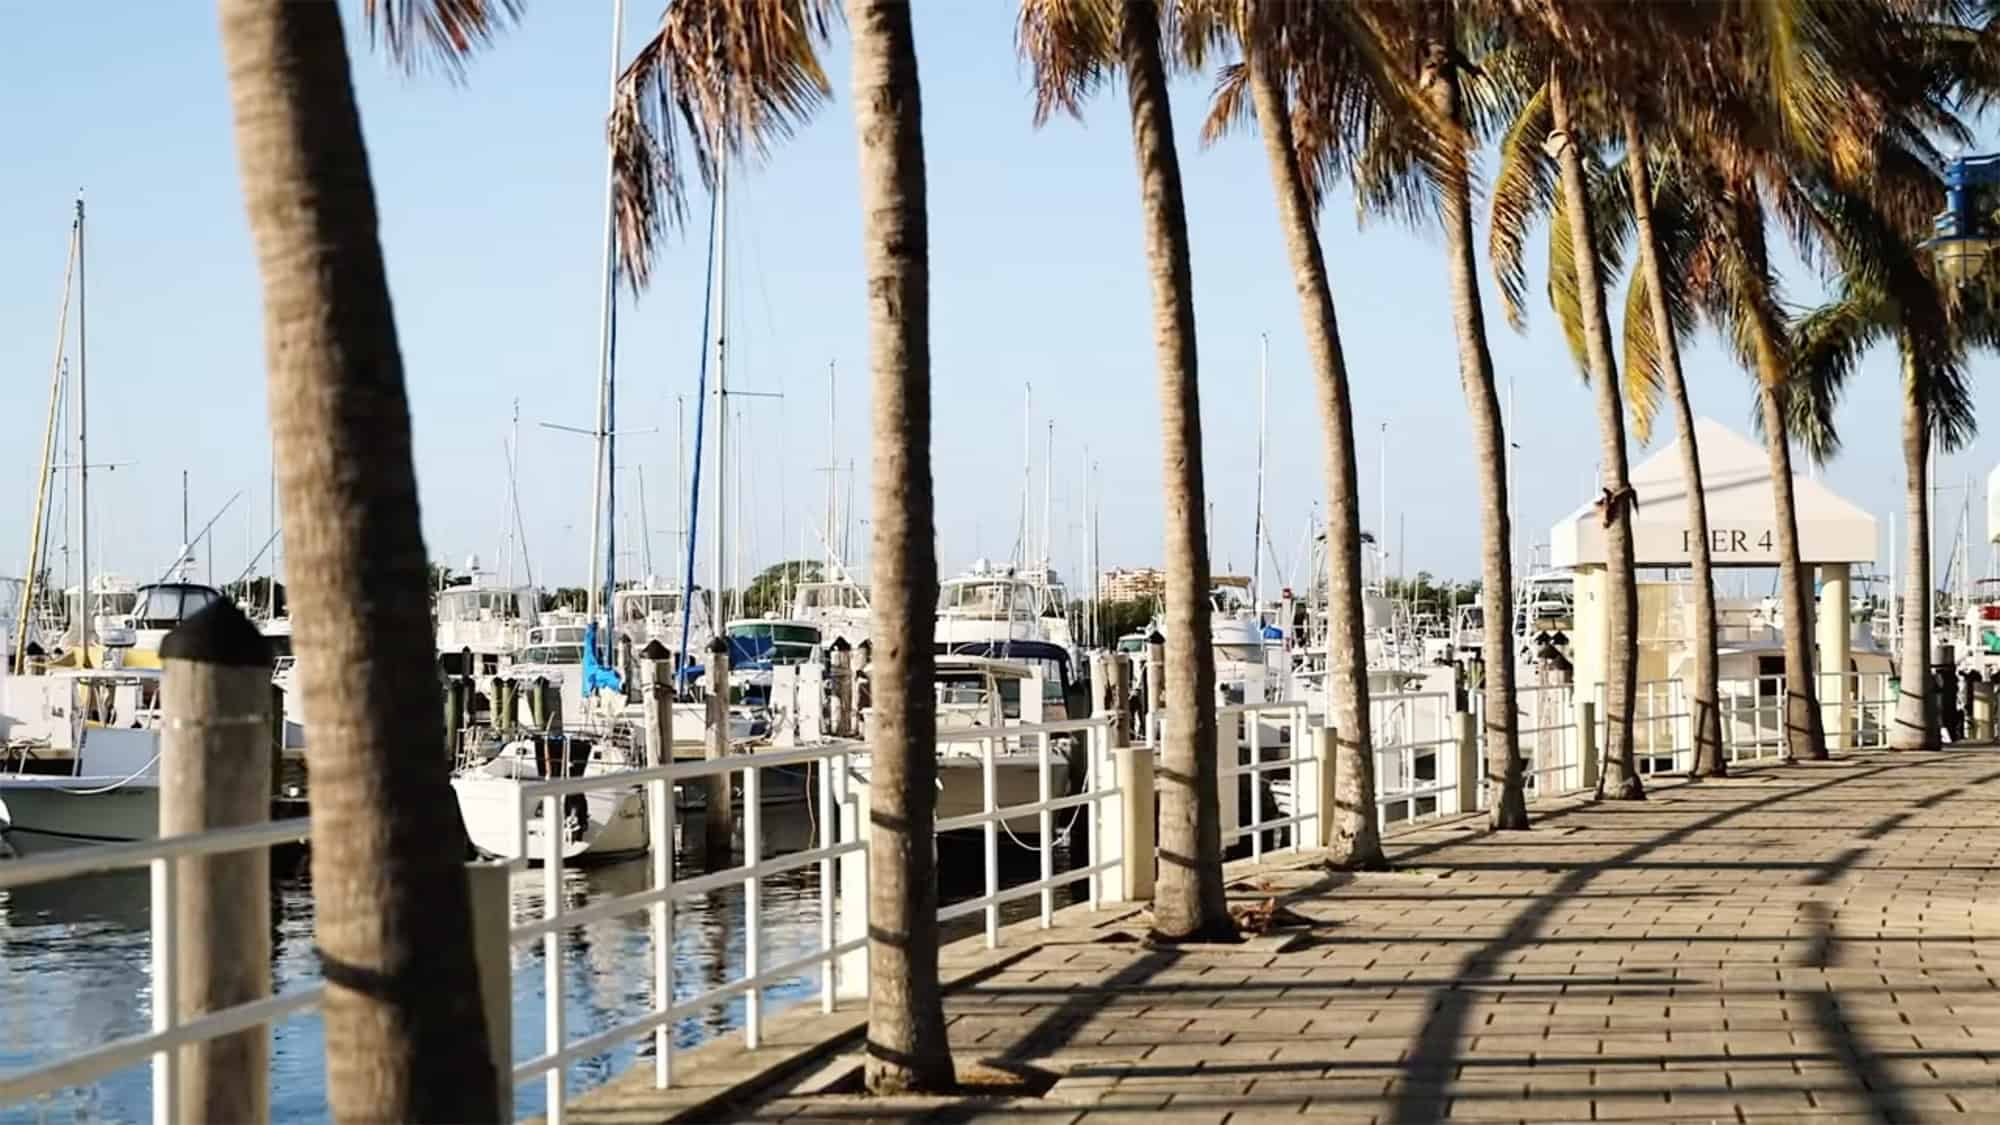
(1326, 742)
(1117, 696)
(853, 884)
(657, 676)
(215, 772)
(492, 918)
(719, 817)
(1466, 732)
(1586, 743)
(840, 664)
(1136, 823)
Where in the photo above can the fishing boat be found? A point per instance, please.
(481, 615)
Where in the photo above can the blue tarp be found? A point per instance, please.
(596, 676)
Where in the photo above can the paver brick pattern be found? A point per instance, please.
(1807, 942)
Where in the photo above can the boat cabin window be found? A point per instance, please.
(1132, 644)
(481, 605)
(1243, 653)
(996, 600)
(638, 607)
(164, 607)
(1471, 617)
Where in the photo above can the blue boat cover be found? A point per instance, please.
(596, 676)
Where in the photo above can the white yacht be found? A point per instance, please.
(653, 611)
(840, 610)
(600, 824)
(989, 603)
(485, 615)
(978, 691)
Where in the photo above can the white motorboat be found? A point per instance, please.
(839, 609)
(482, 615)
(653, 611)
(986, 691)
(989, 603)
(82, 758)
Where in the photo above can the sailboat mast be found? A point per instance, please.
(600, 500)
(1027, 473)
(832, 474)
(1257, 523)
(680, 481)
(721, 390)
(82, 442)
(1048, 492)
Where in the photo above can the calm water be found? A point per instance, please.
(74, 972)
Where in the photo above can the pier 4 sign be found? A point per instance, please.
(1729, 544)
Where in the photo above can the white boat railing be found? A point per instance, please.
(169, 1033)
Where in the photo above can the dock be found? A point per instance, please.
(1798, 941)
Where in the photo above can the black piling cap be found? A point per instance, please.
(718, 646)
(219, 634)
(840, 644)
(654, 650)
(35, 649)
(1154, 638)
(866, 643)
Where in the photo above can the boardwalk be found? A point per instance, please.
(1810, 942)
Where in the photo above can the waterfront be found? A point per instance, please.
(74, 972)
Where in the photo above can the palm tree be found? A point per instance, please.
(1887, 295)
(1073, 45)
(726, 76)
(405, 1034)
(1658, 315)
(1547, 130)
(907, 1047)
(1276, 38)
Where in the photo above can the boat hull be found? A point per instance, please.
(594, 826)
(50, 813)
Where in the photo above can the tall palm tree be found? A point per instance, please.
(725, 76)
(907, 1047)
(1073, 45)
(1658, 315)
(405, 1035)
(1887, 295)
(1277, 38)
(1542, 170)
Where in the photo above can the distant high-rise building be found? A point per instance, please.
(1135, 584)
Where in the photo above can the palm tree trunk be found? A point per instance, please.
(907, 1048)
(1506, 799)
(1188, 900)
(1620, 778)
(1804, 736)
(1709, 760)
(405, 1034)
(1916, 725)
(1356, 838)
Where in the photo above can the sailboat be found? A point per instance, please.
(601, 824)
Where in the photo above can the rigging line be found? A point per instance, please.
(694, 490)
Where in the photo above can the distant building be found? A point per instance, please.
(1138, 584)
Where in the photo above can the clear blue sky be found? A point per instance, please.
(492, 203)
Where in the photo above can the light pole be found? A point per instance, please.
(1964, 238)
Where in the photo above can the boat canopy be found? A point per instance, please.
(167, 604)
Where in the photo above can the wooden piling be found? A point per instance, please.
(1156, 688)
(719, 818)
(839, 658)
(215, 772)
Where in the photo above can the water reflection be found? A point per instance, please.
(75, 971)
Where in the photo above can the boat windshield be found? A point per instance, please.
(773, 641)
(482, 605)
(961, 690)
(550, 654)
(830, 595)
(1471, 617)
(166, 606)
(1131, 644)
(994, 600)
(1243, 653)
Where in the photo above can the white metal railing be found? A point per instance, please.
(1251, 732)
(1545, 726)
(160, 1045)
(1415, 760)
(839, 955)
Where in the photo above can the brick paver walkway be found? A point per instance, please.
(1807, 942)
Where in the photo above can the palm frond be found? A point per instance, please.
(437, 33)
(1524, 193)
(1229, 106)
(1071, 47)
(720, 79)
(1645, 359)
